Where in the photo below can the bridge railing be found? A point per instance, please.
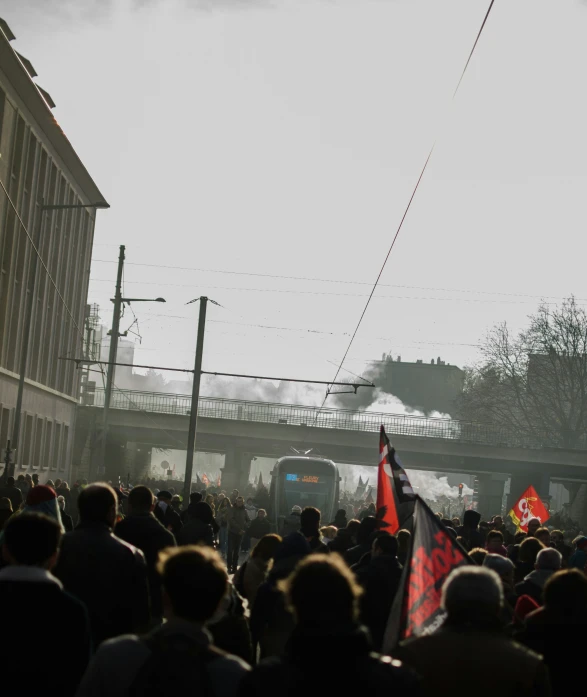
(294, 415)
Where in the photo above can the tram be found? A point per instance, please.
(300, 480)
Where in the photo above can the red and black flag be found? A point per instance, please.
(395, 496)
(434, 554)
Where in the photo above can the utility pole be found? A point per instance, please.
(111, 368)
(189, 462)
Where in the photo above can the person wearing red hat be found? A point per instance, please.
(43, 499)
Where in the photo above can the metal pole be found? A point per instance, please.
(114, 334)
(189, 462)
(26, 336)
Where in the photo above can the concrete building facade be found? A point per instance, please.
(39, 168)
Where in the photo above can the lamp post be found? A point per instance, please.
(118, 301)
(24, 350)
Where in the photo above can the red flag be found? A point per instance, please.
(395, 496)
(434, 554)
(205, 479)
(526, 507)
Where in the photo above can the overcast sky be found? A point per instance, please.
(284, 138)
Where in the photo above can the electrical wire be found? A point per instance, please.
(400, 226)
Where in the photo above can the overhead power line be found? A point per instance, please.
(401, 223)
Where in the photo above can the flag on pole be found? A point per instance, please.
(205, 480)
(260, 483)
(219, 481)
(434, 554)
(526, 507)
(395, 496)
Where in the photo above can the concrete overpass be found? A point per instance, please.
(242, 430)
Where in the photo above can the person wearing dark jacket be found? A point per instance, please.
(198, 530)
(66, 519)
(556, 630)
(340, 520)
(38, 614)
(310, 529)
(195, 497)
(237, 520)
(291, 523)
(364, 541)
(324, 597)
(526, 560)
(271, 622)
(166, 514)
(548, 562)
(469, 531)
(470, 648)
(107, 574)
(10, 491)
(345, 537)
(380, 579)
(259, 527)
(141, 529)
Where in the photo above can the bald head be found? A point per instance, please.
(97, 503)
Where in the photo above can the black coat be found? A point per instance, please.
(339, 662)
(146, 533)
(354, 554)
(169, 519)
(12, 493)
(109, 576)
(380, 580)
(46, 638)
(196, 532)
(67, 521)
(258, 528)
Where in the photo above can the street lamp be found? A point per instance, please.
(114, 332)
(24, 351)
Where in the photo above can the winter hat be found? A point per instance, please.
(43, 499)
(164, 495)
(296, 509)
(524, 606)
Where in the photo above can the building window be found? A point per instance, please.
(48, 451)
(39, 458)
(26, 442)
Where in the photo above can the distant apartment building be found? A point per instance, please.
(39, 168)
(434, 386)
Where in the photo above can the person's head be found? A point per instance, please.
(97, 503)
(266, 547)
(478, 555)
(221, 496)
(494, 541)
(533, 525)
(565, 592)
(310, 522)
(322, 592)
(20, 478)
(51, 483)
(84, 482)
(328, 532)
(194, 582)
(195, 497)
(239, 502)
(549, 559)
(28, 478)
(543, 534)
(64, 485)
(61, 502)
(249, 501)
(502, 566)
(352, 528)
(35, 478)
(165, 496)
(529, 550)
(10, 481)
(296, 510)
(471, 519)
(403, 539)
(234, 494)
(384, 545)
(557, 538)
(368, 526)
(57, 483)
(43, 499)
(261, 514)
(519, 537)
(580, 542)
(5, 504)
(31, 539)
(472, 595)
(456, 522)
(140, 500)
(498, 521)
(340, 518)
(202, 511)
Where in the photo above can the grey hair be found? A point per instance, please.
(549, 558)
(472, 590)
(502, 566)
(61, 502)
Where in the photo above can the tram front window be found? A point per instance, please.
(306, 490)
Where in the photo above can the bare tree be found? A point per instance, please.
(536, 381)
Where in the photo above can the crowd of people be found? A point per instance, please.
(139, 594)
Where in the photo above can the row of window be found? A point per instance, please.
(44, 442)
(64, 242)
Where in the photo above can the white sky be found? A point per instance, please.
(285, 138)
